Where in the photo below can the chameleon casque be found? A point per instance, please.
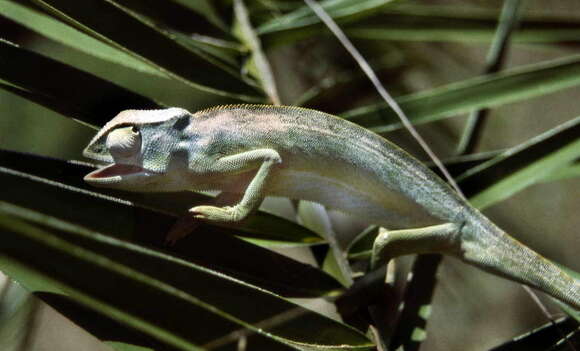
(253, 151)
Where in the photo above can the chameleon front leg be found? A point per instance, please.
(442, 238)
(263, 159)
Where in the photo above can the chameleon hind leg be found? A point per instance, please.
(442, 238)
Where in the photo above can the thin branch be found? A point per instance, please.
(364, 65)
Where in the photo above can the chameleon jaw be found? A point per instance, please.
(114, 173)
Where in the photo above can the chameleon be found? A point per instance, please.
(249, 152)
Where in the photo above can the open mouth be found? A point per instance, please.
(114, 170)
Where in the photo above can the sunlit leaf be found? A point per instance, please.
(67, 35)
(134, 34)
(43, 81)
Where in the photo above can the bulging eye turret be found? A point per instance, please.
(124, 142)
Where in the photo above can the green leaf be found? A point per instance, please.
(302, 22)
(495, 60)
(17, 313)
(508, 86)
(315, 217)
(244, 30)
(572, 171)
(121, 346)
(69, 36)
(410, 22)
(523, 165)
(451, 24)
(225, 50)
(209, 246)
(411, 328)
(96, 263)
(330, 266)
(127, 30)
(95, 103)
(547, 337)
(361, 246)
(193, 27)
(185, 16)
(206, 8)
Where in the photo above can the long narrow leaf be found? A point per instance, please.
(440, 23)
(521, 166)
(424, 23)
(411, 328)
(208, 8)
(509, 86)
(181, 15)
(259, 62)
(126, 30)
(63, 88)
(17, 313)
(118, 279)
(55, 30)
(302, 22)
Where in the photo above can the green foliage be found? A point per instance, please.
(98, 256)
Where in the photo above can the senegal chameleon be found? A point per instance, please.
(253, 151)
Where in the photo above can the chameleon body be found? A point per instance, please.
(252, 151)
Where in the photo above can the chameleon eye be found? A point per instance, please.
(124, 142)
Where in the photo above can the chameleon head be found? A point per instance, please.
(137, 147)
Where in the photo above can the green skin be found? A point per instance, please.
(252, 151)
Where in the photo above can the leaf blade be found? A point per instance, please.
(484, 91)
(131, 33)
(96, 103)
(128, 264)
(523, 165)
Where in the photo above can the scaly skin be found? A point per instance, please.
(257, 151)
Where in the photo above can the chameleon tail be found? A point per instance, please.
(485, 245)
